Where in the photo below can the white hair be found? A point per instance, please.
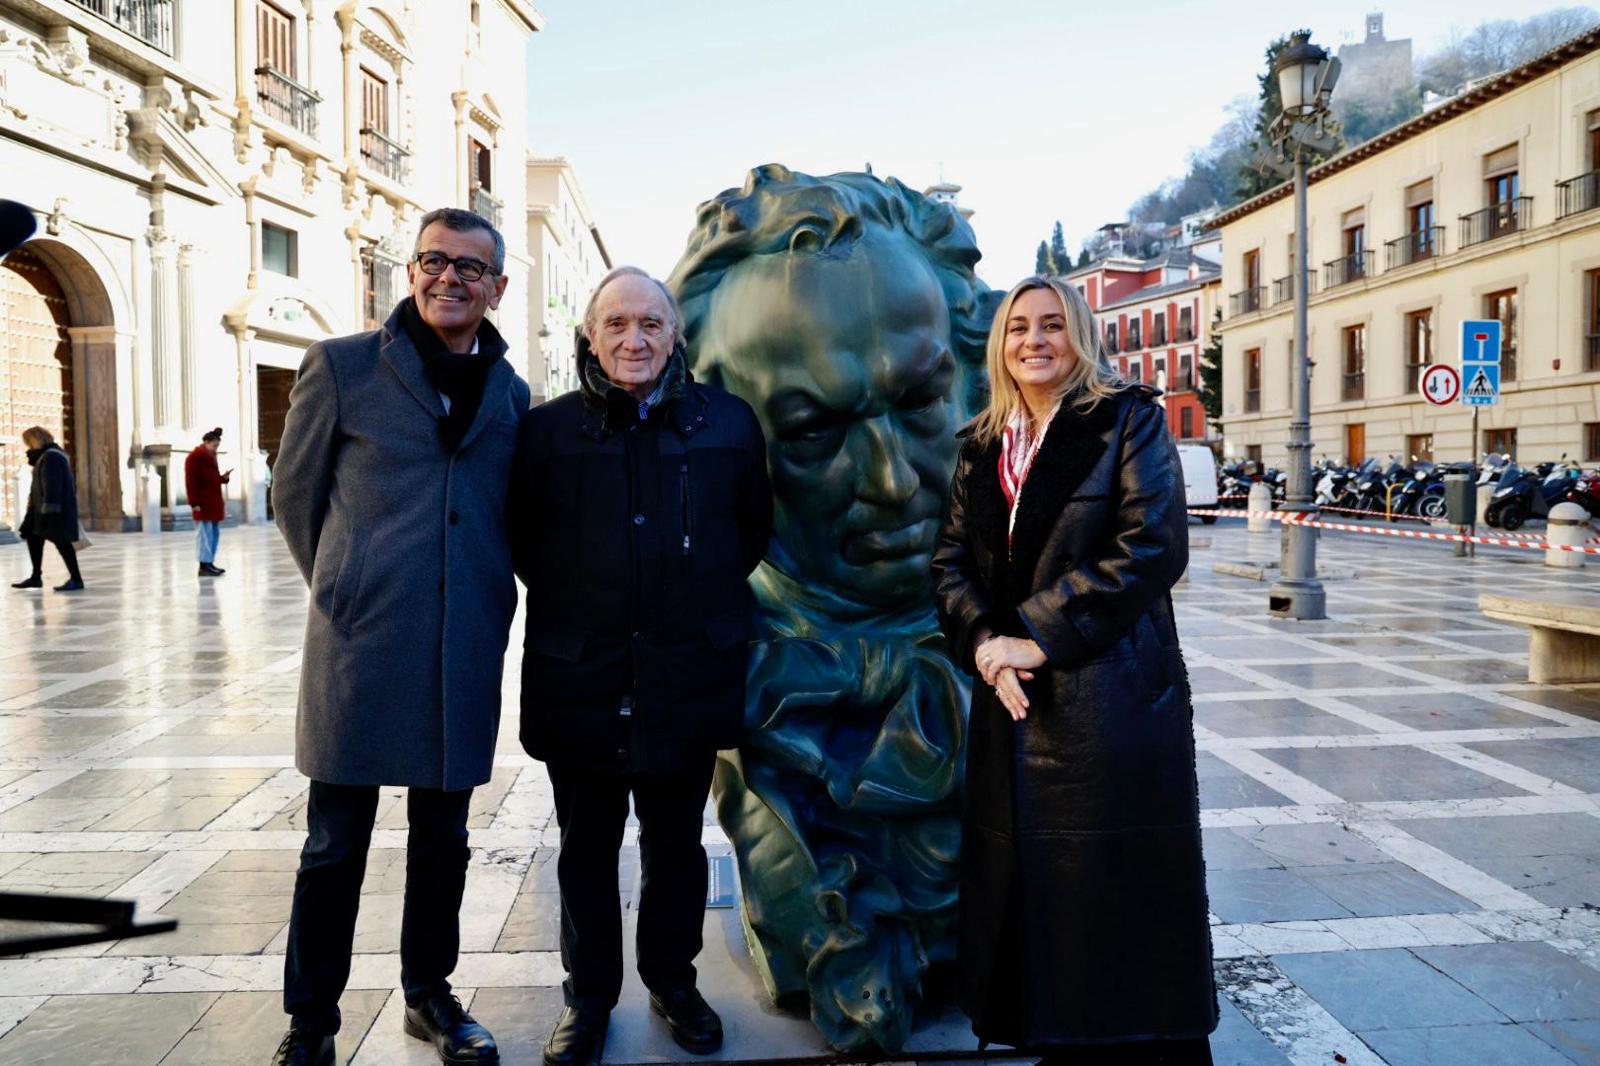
(632, 271)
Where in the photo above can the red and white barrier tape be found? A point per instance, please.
(1461, 538)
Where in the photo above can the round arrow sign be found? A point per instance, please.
(1441, 384)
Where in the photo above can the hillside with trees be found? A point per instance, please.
(1224, 172)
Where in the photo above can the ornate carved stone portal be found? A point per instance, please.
(845, 311)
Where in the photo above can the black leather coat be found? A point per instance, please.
(635, 538)
(1083, 900)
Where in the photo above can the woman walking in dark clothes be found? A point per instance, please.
(1083, 930)
(52, 509)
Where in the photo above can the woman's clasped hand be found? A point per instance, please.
(1004, 663)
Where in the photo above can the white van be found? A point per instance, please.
(1199, 477)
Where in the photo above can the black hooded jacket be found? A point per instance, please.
(634, 531)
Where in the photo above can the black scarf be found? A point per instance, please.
(620, 405)
(460, 377)
(33, 456)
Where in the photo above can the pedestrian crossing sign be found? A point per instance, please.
(1480, 384)
(1480, 362)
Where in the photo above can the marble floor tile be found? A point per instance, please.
(1370, 890)
(1385, 989)
(129, 1030)
(1529, 982)
(1395, 773)
(1449, 1044)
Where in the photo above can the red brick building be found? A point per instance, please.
(1155, 318)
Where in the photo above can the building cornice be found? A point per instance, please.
(525, 13)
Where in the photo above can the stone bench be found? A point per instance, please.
(1564, 633)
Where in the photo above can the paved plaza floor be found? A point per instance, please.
(1402, 834)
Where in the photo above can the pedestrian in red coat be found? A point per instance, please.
(205, 483)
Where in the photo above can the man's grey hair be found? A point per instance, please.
(463, 221)
(632, 271)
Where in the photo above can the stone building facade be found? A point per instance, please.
(1485, 207)
(569, 259)
(219, 183)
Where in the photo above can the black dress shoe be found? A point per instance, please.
(694, 1025)
(73, 585)
(300, 1048)
(207, 570)
(578, 1037)
(34, 582)
(459, 1040)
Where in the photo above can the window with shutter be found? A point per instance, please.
(374, 102)
(275, 39)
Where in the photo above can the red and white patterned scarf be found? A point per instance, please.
(1019, 445)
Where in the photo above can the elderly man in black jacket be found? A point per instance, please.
(639, 506)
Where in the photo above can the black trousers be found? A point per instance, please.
(592, 809)
(327, 893)
(69, 555)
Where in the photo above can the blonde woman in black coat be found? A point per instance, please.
(1084, 930)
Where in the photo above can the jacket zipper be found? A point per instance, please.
(683, 481)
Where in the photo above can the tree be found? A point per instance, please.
(1058, 251)
(1249, 180)
(1083, 256)
(1042, 263)
(1491, 47)
(1364, 118)
(1211, 374)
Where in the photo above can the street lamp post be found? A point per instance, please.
(1306, 75)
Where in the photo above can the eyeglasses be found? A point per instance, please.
(467, 269)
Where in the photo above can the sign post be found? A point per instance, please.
(1480, 373)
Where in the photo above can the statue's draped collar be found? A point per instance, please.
(790, 607)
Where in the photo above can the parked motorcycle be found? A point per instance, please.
(1523, 494)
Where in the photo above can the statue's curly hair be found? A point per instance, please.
(781, 210)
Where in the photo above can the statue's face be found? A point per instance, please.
(847, 363)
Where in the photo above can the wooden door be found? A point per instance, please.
(35, 359)
(1355, 443)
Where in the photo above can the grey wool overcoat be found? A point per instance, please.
(404, 547)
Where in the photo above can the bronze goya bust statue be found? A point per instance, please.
(845, 311)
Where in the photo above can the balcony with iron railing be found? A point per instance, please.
(1247, 300)
(1413, 247)
(287, 100)
(1581, 193)
(385, 156)
(1591, 352)
(1158, 337)
(384, 277)
(486, 205)
(1346, 268)
(148, 20)
(1496, 220)
(1283, 288)
(1355, 386)
(1184, 334)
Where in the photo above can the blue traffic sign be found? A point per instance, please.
(1480, 384)
(1480, 362)
(1480, 341)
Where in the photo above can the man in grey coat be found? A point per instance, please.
(390, 489)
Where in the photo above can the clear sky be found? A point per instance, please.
(1040, 110)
